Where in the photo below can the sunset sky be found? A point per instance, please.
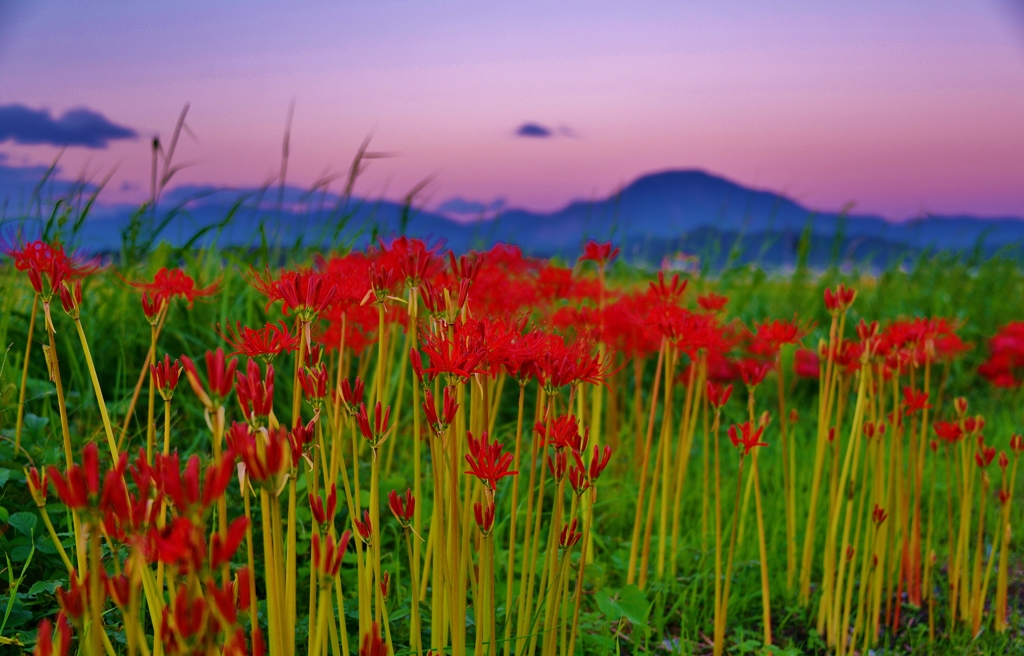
(902, 107)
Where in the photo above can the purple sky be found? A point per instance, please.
(901, 107)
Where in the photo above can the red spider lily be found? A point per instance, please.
(187, 620)
(45, 639)
(219, 375)
(327, 555)
(457, 357)
(314, 384)
(71, 298)
(352, 395)
(578, 477)
(264, 343)
(383, 282)
(1017, 444)
(948, 431)
(569, 536)
(712, 302)
(486, 461)
(598, 462)
(960, 405)
(254, 392)
(984, 456)
(267, 455)
(484, 515)
(770, 336)
(403, 509)
(465, 267)
(914, 400)
(753, 371)
(224, 605)
(372, 644)
(670, 292)
(1003, 496)
(600, 254)
(323, 512)
(449, 408)
(570, 364)
(72, 601)
(300, 437)
(718, 394)
(377, 432)
(558, 464)
(878, 515)
(181, 544)
(973, 425)
(839, 300)
(385, 584)
(151, 307)
(564, 432)
(173, 283)
(183, 488)
(48, 265)
(223, 550)
(80, 488)
(38, 485)
(119, 588)
(746, 437)
(365, 527)
(806, 364)
(1004, 462)
(165, 376)
(305, 292)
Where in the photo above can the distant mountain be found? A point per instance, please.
(653, 217)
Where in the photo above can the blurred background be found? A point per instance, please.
(892, 127)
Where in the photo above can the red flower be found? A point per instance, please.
(878, 515)
(486, 461)
(44, 637)
(48, 265)
(601, 254)
(457, 357)
(753, 371)
(306, 292)
(255, 393)
(38, 485)
(484, 515)
(839, 300)
(948, 431)
(323, 513)
(80, 488)
(564, 432)
(165, 376)
(376, 433)
(352, 395)
(327, 555)
(173, 283)
(770, 336)
(984, 456)
(746, 437)
(264, 343)
(267, 455)
(569, 536)
(806, 364)
(314, 384)
(712, 302)
(670, 292)
(365, 527)
(72, 602)
(449, 408)
(403, 509)
(914, 400)
(219, 374)
(222, 550)
(718, 394)
(372, 643)
(184, 489)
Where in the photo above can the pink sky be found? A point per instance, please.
(901, 107)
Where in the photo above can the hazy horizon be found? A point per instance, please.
(902, 108)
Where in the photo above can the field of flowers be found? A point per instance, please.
(409, 451)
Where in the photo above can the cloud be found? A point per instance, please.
(462, 206)
(534, 130)
(76, 127)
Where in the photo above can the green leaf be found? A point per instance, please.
(3, 514)
(608, 606)
(23, 522)
(634, 604)
(5, 475)
(40, 587)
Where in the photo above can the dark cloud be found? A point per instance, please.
(535, 130)
(77, 127)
